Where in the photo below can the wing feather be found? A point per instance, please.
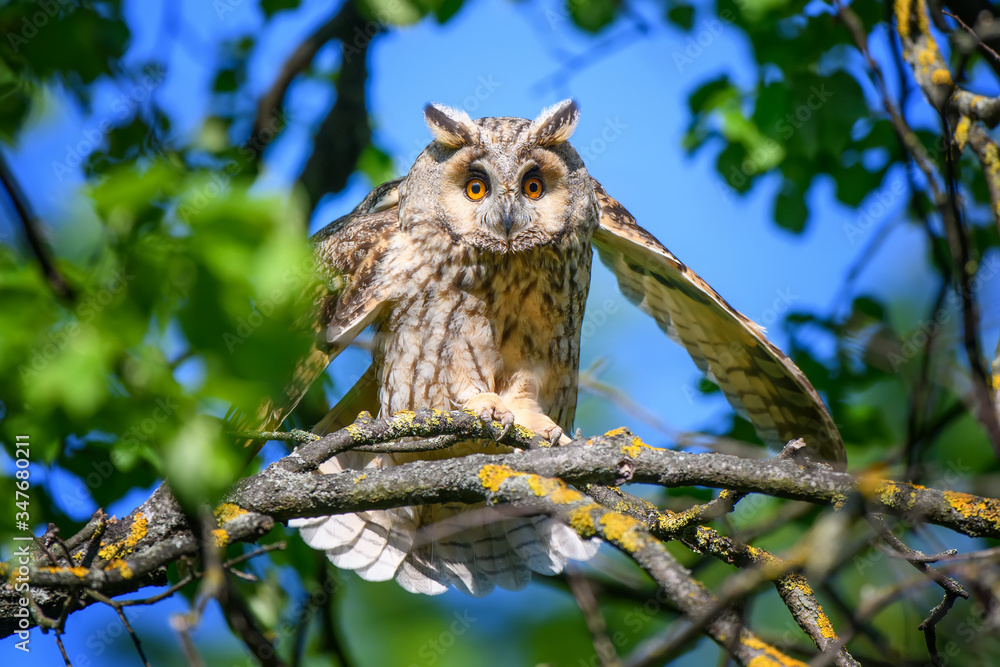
(757, 378)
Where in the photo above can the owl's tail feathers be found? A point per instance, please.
(498, 552)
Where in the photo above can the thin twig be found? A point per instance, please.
(598, 627)
(973, 33)
(31, 225)
(117, 606)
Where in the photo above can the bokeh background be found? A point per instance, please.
(746, 136)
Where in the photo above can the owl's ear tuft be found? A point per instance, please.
(451, 127)
(555, 125)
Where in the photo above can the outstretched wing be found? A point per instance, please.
(351, 251)
(757, 378)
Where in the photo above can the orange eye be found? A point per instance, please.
(475, 189)
(533, 187)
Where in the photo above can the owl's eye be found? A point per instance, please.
(475, 189)
(533, 187)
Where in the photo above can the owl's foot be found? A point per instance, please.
(540, 423)
(490, 408)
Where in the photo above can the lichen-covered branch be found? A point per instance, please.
(135, 551)
(932, 73)
(959, 111)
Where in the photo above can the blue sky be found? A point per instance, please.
(509, 59)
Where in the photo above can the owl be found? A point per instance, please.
(473, 272)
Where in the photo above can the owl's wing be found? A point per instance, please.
(350, 251)
(758, 379)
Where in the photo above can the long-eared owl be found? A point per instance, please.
(473, 272)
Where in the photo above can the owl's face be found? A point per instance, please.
(502, 185)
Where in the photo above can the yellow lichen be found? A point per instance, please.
(898, 495)
(825, 626)
(771, 656)
(360, 477)
(492, 476)
(632, 451)
(621, 430)
(760, 556)
(792, 582)
(523, 432)
(903, 17)
(542, 486)
(565, 495)
(121, 566)
(355, 432)
(138, 530)
(923, 22)
(962, 132)
(226, 512)
(221, 537)
(624, 530)
(992, 158)
(987, 509)
(581, 521)
(80, 572)
(839, 502)
(941, 77)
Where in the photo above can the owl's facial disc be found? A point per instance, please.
(505, 204)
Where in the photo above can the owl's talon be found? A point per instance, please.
(507, 426)
(554, 436)
(489, 408)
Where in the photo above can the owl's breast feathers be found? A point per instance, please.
(464, 321)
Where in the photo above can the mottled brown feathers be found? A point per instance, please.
(757, 378)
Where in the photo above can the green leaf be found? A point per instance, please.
(854, 183)
(592, 15)
(869, 306)
(711, 94)
(681, 15)
(225, 81)
(272, 7)
(376, 164)
(790, 210)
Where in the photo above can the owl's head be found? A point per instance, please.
(502, 184)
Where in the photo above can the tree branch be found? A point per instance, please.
(136, 550)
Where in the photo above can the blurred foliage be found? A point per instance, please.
(186, 281)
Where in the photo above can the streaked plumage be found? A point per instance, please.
(476, 299)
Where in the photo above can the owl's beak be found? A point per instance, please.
(508, 221)
(507, 217)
